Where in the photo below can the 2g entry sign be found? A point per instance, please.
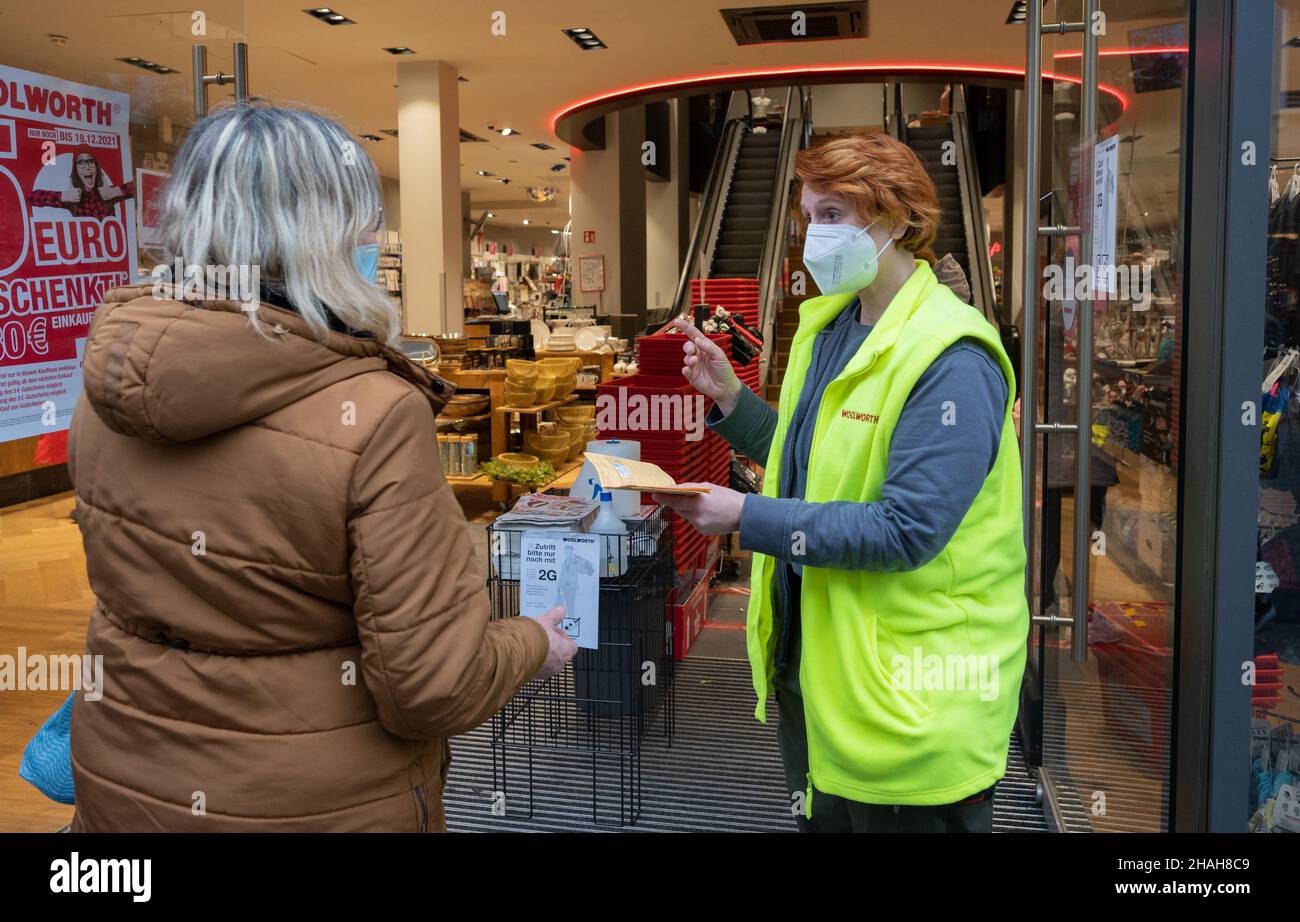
(67, 235)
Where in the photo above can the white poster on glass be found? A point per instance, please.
(1104, 197)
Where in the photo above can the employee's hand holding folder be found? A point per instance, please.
(626, 474)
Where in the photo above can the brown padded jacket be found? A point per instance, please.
(288, 604)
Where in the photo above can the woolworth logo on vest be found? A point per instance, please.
(859, 416)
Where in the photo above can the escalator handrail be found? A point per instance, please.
(972, 205)
(793, 133)
(704, 218)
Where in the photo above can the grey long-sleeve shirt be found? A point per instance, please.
(929, 484)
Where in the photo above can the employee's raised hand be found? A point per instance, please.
(707, 367)
(562, 647)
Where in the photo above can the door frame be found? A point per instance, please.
(1227, 103)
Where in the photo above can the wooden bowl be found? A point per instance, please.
(520, 396)
(517, 460)
(559, 367)
(536, 441)
(463, 405)
(576, 413)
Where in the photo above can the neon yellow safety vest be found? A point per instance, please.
(910, 679)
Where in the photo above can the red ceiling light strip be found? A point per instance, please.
(1118, 52)
(847, 70)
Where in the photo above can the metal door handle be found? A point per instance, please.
(1034, 31)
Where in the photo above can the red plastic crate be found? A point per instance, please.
(689, 613)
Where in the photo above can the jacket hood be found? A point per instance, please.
(171, 371)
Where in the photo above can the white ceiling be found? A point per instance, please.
(518, 79)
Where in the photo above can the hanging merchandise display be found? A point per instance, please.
(1274, 785)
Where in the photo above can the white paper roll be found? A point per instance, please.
(627, 503)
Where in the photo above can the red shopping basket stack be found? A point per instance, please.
(659, 357)
(738, 296)
(651, 412)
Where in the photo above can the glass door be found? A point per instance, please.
(1273, 796)
(1108, 315)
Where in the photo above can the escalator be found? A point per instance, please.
(929, 143)
(744, 226)
(948, 155)
(737, 251)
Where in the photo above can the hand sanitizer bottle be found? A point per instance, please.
(615, 542)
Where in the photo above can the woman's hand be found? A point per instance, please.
(71, 195)
(707, 367)
(714, 513)
(562, 647)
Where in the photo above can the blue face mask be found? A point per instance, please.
(366, 258)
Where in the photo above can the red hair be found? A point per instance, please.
(883, 178)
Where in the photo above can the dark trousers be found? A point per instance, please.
(838, 814)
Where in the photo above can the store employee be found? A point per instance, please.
(887, 611)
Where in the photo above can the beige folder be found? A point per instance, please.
(626, 474)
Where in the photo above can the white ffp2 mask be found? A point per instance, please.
(840, 257)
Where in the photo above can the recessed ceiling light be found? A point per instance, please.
(507, 132)
(371, 137)
(540, 146)
(150, 66)
(558, 168)
(584, 38)
(329, 17)
(400, 49)
(504, 181)
(525, 220)
(554, 230)
(483, 172)
(492, 214)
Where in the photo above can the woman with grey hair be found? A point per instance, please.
(287, 603)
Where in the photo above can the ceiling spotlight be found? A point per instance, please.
(150, 66)
(504, 181)
(329, 17)
(554, 230)
(584, 38)
(400, 49)
(558, 168)
(492, 214)
(371, 137)
(540, 146)
(483, 172)
(525, 220)
(541, 193)
(507, 132)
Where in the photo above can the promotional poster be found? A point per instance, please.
(67, 235)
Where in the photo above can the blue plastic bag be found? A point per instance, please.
(47, 760)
